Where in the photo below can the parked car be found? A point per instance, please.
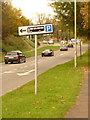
(63, 48)
(47, 52)
(14, 56)
(51, 41)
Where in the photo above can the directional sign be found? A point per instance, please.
(36, 29)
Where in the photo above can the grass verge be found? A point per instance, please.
(57, 92)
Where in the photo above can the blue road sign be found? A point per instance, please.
(48, 28)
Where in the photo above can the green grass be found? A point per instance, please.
(16, 43)
(32, 53)
(57, 92)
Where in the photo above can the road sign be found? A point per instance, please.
(36, 29)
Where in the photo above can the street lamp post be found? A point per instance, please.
(36, 66)
(75, 62)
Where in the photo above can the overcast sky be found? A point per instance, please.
(31, 7)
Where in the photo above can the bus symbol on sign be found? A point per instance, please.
(48, 28)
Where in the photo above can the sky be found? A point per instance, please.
(31, 7)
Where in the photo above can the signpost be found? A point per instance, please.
(35, 30)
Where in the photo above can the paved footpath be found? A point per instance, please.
(80, 110)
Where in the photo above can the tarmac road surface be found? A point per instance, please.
(16, 75)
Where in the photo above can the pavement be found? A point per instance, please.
(80, 110)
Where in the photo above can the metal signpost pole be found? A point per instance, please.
(75, 34)
(36, 67)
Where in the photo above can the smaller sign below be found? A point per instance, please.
(36, 29)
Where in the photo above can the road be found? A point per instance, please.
(15, 75)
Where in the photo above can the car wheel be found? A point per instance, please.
(11, 62)
(18, 61)
(21, 60)
(52, 54)
(6, 62)
(24, 60)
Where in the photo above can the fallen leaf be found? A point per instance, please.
(61, 96)
(37, 102)
(62, 101)
(53, 107)
(29, 112)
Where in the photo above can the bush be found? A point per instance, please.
(15, 43)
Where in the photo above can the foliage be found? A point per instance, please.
(15, 43)
(65, 16)
(44, 19)
(12, 18)
(31, 43)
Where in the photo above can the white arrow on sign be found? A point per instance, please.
(22, 30)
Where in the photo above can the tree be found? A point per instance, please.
(65, 15)
(85, 14)
(12, 18)
(44, 19)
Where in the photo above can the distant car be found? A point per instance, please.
(47, 52)
(44, 42)
(63, 41)
(14, 56)
(64, 48)
(51, 41)
(70, 45)
(75, 41)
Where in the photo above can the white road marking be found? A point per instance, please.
(61, 54)
(26, 73)
(13, 65)
(8, 72)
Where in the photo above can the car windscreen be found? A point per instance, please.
(47, 50)
(12, 53)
